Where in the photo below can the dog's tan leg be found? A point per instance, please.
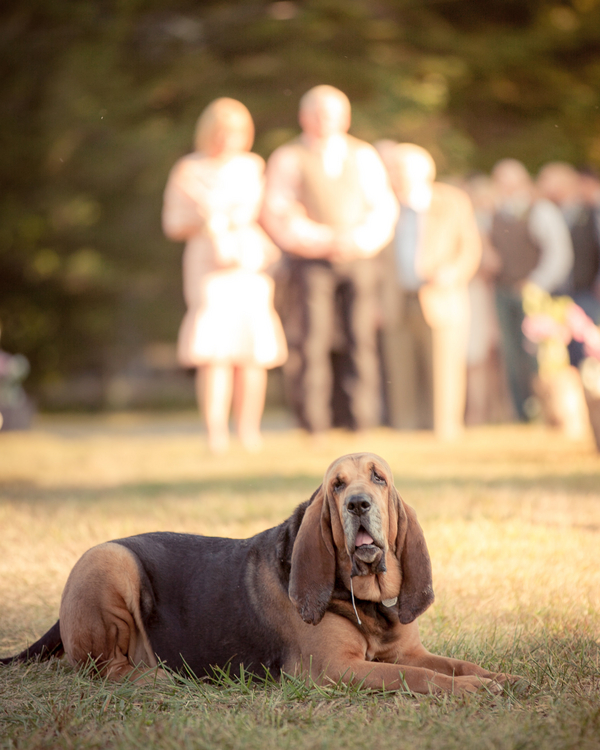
(100, 617)
(378, 676)
(409, 650)
(336, 650)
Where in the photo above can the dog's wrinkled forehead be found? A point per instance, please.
(358, 467)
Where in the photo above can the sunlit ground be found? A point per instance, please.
(511, 515)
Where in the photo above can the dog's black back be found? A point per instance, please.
(199, 601)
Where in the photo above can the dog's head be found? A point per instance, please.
(357, 527)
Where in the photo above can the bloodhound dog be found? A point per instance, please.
(334, 591)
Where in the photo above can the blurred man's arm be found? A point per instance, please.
(464, 265)
(367, 238)
(550, 232)
(283, 215)
(470, 242)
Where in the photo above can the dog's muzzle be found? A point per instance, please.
(364, 544)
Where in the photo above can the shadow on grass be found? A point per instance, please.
(304, 484)
(32, 493)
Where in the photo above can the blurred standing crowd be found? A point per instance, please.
(400, 296)
(544, 232)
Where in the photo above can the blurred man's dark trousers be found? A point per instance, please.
(337, 309)
(521, 366)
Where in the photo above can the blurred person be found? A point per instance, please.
(560, 183)
(487, 396)
(533, 243)
(434, 254)
(329, 206)
(589, 189)
(16, 408)
(231, 331)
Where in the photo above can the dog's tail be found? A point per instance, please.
(50, 644)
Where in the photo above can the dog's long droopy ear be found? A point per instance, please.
(312, 576)
(416, 591)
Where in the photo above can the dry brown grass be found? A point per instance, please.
(511, 515)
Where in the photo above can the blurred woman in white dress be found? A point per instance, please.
(231, 331)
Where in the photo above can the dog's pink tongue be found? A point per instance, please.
(363, 538)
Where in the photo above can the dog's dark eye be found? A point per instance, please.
(338, 485)
(377, 478)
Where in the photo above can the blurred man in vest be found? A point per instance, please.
(435, 253)
(533, 244)
(560, 183)
(329, 205)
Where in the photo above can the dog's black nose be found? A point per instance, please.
(358, 505)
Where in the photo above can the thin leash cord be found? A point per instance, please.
(353, 604)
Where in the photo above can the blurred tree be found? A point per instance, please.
(99, 98)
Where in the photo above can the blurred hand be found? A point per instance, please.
(344, 247)
(447, 276)
(317, 240)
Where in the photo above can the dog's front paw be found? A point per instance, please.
(518, 684)
(468, 684)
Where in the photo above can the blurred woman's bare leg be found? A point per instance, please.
(253, 387)
(214, 389)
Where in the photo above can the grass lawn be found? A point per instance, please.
(512, 519)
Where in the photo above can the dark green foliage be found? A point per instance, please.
(99, 98)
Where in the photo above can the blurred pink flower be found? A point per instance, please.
(540, 327)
